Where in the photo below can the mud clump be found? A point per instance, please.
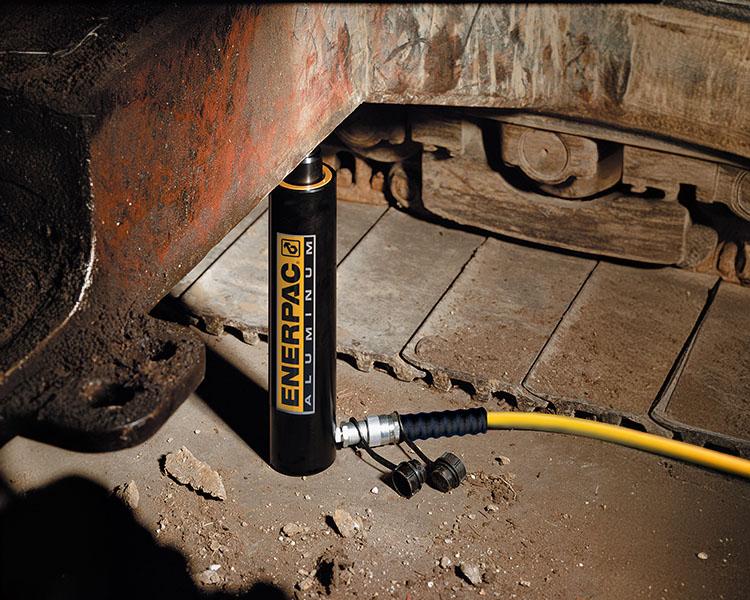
(333, 570)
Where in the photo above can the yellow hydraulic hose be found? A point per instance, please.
(620, 435)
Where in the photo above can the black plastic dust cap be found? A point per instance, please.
(447, 472)
(309, 171)
(409, 477)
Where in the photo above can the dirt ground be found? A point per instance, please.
(539, 515)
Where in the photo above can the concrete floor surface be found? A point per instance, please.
(562, 518)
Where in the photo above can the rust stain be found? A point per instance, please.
(179, 162)
(503, 68)
(442, 61)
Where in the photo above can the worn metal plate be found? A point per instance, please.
(354, 221)
(219, 249)
(388, 285)
(615, 347)
(709, 397)
(233, 292)
(497, 316)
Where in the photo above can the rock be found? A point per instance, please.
(307, 583)
(524, 583)
(184, 468)
(470, 572)
(492, 508)
(209, 577)
(374, 490)
(502, 460)
(292, 529)
(702, 555)
(445, 562)
(128, 493)
(345, 524)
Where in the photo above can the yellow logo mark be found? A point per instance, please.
(290, 247)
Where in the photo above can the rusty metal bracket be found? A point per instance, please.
(133, 140)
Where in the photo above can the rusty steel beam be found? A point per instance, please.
(134, 139)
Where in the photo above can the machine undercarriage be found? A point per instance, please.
(606, 137)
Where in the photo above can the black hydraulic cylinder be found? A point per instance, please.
(302, 319)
